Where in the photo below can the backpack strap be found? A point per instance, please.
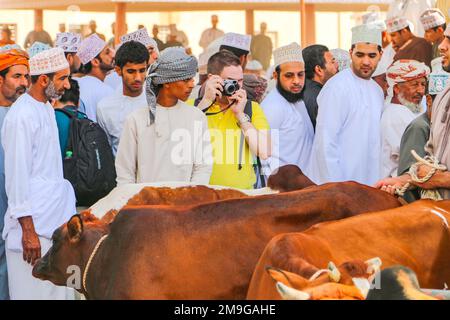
(248, 111)
(71, 113)
(65, 112)
(197, 101)
(257, 165)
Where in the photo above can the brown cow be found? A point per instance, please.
(289, 178)
(189, 195)
(207, 251)
(414, 236)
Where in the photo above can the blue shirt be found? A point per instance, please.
(63, 123)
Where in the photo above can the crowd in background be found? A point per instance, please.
(81, 114)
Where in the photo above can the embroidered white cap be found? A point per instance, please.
(236, 40)
(68, 41)
(10, 47)
(90, 48)
(395, 24)
(432, 18)
(374, 18)
(366, 33)
(439, 79)
(48, 61)
(37, 47)
(290, 53)
(141, 36)
(254, 65)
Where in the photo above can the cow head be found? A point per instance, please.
(332, 283)
(73, 243)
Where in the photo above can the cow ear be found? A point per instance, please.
(287, 278)
(75, 228)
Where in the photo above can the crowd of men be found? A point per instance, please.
(337, 115)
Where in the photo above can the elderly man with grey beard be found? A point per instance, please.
(438, 145)
(39, 198)
(408, 81)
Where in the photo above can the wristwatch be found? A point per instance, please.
(243, 119)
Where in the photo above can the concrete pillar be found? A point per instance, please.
(310, 24)
(38, 16)
(303, 23)
(249, 21)
(121, 21)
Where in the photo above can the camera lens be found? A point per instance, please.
(230, 87)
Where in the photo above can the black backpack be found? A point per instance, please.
(89, 162)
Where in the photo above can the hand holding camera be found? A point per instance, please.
(240, 100)
(213, 88)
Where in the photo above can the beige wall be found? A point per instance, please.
(286, 25)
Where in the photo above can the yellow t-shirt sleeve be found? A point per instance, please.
(259, 119)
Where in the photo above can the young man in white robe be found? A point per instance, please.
(97, 60)
(347, 140)
(113, 79)
(408, 78)
(168, 140)
(39, 198)
(290, 125)
(131, 65)
(14, 79)
(438, 145)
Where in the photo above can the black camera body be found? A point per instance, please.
(230, 87)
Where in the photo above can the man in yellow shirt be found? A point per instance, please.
(237, 139)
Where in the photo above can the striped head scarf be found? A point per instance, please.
(173, 65)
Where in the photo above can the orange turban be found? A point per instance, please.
(13, 57)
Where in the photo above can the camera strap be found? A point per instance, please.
(214, 113)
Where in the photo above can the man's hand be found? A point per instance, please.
(213, 88)
(438, 180)
(391, 184)
(240, 98)
(30, 241)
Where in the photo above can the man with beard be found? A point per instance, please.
(438, 145)
(70, 42)
(97, 60)
(320, 66)
(291, 128)
(408, 78)
(39, 198)
(14, 79)
(131, 65)
(236, 137)
(347, 141)
(166, 140)
(405, 44)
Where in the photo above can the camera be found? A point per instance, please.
(230, 87)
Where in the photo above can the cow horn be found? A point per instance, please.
(373, 265)
(335, 274)
(288, 293)
(363, 285)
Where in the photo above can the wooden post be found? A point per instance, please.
(121, 21)
(303, 23)
(310, 24)
(249, 21)
(38, 16)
